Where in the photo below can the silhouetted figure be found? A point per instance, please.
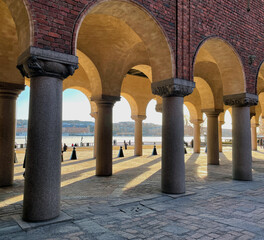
(114, 142)
(129, 142)
(192, 143)
(120, 154)
(125, 146)
(154, 152)
(65, 147)
(185, 150)
(24, 163)
(73, 155)
(15, 157)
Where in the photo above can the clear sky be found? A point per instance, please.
(76, 106)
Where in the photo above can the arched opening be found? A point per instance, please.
(218, 63)
(117, 36)
(78, 124)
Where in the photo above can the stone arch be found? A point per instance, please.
(132, 103)
(206, 94)
(83, 90)
(260, 79)
(22, 20)
(15, 37)
(218, 51)
(117, 35)
(194, 114)
(91, 73)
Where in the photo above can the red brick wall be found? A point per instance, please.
(56, 22)
(228, 20)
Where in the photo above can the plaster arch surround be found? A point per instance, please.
(15, 38)
(118, 35)
(218, 51)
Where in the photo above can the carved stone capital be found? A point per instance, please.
(36, 62)
(196, 121)
(212, 112)
(94, 115)
(254, 125)
(105, 100)
(10, 90)
(138, 117)
(174, 87)
(221, 122)
(158, 108)
(241, 100)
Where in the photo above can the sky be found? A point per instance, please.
(76, 106)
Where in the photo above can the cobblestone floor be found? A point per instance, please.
(129, 204)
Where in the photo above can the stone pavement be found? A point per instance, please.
(129, 204)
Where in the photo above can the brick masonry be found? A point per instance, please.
(185, 23)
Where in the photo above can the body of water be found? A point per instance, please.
(69, 140)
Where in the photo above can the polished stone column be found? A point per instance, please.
(46, 70)
(173, 166)
(138, 133)
(95, 115)
(8, 96)
(220, 123)
(196, 135)
(212, 138)
(104, 137)
(241, 143)
(254, 136)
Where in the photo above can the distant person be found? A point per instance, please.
(129, 142)
(192, 143)
(65, 147)
(114, 142)
(125, 145)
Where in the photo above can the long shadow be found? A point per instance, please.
(73, 162)
(101, 184)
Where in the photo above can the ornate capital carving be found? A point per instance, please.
(241, 100)
(138, 117)
(36, 62)
(173, 87)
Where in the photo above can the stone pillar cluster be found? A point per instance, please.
(173, 167)
(241, 143)
(46, 70)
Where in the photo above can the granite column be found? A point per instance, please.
(173, 166)
(8, 95)
(241, 142)
(46, 70)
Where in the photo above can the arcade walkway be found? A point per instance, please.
(129, 204)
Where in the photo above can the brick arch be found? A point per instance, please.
(144, 25)
(220, 52)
